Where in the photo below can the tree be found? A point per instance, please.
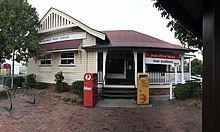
(19, 38)
(185, 36)
(18, 30)
(196, 65)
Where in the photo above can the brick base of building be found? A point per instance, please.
(159, 91)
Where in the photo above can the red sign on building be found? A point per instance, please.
(162, 58)
(161, 55)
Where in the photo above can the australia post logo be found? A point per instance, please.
(88, 77)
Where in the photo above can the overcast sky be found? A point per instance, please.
(138, 15)
(102, 15)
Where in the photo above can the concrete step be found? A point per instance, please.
(118, 92)
(116, 96)
(120, 86)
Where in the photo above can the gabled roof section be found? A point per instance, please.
(55, 19)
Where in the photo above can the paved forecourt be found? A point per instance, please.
(52, 116)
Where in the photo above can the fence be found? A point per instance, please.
(166, 78)
(158, 77)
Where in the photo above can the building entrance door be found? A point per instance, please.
(130, 71)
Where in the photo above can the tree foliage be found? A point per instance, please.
(196, 65)
(18, 30)
(186, 37)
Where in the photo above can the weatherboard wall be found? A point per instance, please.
(89, 40)
(84, 62)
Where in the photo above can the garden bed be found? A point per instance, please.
(66, 97)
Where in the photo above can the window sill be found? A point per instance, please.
(67, 65)
(45, 65)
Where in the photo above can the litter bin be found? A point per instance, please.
(90, 89)
(143, 88)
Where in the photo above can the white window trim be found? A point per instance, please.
(67, 59)
(45, 65)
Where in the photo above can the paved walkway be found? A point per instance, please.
(48, 115)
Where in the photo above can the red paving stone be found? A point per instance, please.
(48, 115)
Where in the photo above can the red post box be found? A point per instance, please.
(90, 89)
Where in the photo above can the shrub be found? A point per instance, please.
(30, 80)
(197, 92)
(18, 81)
(78, 86)
(8, 82)
(188, 90)
(192, 84)
(5, 81)
(66, 86)
(59, 76)
(196, 89)
(60, 85)
(182, 92)
(40, 85)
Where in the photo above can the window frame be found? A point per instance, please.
(67, 65)
(46, 59)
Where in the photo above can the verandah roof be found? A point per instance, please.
(134, 39)
(63, 45)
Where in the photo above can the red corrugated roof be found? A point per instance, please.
(126, 38)
(70, 44)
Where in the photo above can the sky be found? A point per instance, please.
(138, 15)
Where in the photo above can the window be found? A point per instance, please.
(46, 60)
(67, 59)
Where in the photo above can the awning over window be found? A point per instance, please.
(63, 45)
